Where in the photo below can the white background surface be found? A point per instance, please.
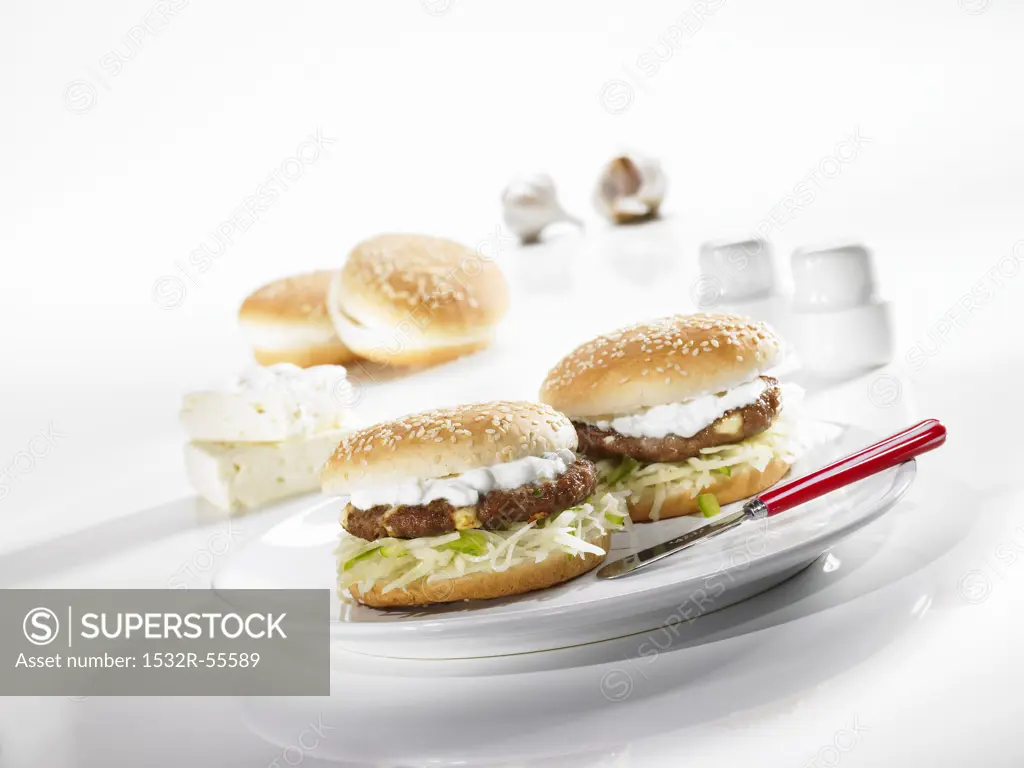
(113, 180)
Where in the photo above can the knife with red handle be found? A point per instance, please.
(896, 449)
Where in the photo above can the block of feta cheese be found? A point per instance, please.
(279, 402)
(235, 476)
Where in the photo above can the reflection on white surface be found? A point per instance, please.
(548, 268)
(921, 606)
(317, 525)
(647, 255)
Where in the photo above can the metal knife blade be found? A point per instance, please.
(629, 563)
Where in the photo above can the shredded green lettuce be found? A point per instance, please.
(626, 467)
(469, 543)
(354, 561)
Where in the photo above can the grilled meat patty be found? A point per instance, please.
(734, 426)
(495, 511)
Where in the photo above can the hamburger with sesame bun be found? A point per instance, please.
(678, 411)
(474, 502)
(287, 322)
(416, 300)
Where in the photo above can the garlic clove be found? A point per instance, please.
(530, 204)
(630, 188)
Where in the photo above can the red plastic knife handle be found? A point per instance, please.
(896, 449)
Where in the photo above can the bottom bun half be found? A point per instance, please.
(557, 568)
(741, 484)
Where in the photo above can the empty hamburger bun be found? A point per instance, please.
(416, 300)
(668, 360)
(741, 484)
(287, 322)
(556, 568)
(445, 442)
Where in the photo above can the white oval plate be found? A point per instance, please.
(298, 553)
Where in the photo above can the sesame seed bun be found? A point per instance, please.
(415, 299)
(744, 482)
(287, 322)
(557, 568)
(445, 442)
(668, 360)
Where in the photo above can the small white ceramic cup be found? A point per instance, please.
(832, 278)
(734, 270)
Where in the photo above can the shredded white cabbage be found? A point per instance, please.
(660, 492)
(399, 562)
(785, 440)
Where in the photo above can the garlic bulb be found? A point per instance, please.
(530, 205)
(630, 188)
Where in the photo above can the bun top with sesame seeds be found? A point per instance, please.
(668, 360)
(297, 299)
(445, 442)
(435, 286)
